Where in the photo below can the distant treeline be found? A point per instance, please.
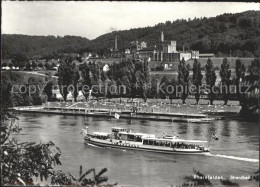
(41, 46)
(238, 34)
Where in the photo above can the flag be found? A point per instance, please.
(214, 137)
(117, 116)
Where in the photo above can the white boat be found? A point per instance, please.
(123, 138)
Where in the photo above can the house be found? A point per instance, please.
(106, 68)
(166, 51)
(145, 53)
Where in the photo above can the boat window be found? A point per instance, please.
(138, 139)
(162, 143)
(150, 142)
(145, 142)
(182, 145)
(167, 144)
(130, 137)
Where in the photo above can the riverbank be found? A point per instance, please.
(156, 111)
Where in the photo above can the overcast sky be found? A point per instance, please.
(92, 19)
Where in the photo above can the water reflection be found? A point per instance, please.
(142, 168)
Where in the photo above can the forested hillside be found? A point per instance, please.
(238, 33)
(41, 45)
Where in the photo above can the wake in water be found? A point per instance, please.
(233, 157)
(212, 155)
(93, 145)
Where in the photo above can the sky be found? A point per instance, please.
(92, 19)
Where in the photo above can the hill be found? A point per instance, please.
(238, 33)
(13, 44)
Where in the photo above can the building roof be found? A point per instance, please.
(207, 54)
(147, 49)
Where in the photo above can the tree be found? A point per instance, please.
(189, 67)
(53, 65)
(65, 74)
(225, 74)
(40, 65)
(47, 66)
(95, 77)
(34, 65)
(48, 90)
(240, 75)
(163, 87)
(172, 93)
(183, 79)
(210, 80)
(144, 79)
(197, 77)
(19, 58)
(28, 66)
(36, 96)
(86, 80)
(159, 68)
(76, 78)
(22, 162)
(10, 65)
(250, 97)
(21, 65)
(153, 92)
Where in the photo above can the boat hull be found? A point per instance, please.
(143, 148)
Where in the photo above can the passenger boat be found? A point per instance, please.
(123, 138)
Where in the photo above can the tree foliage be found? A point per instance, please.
(183, 79)
(240, 76)
(18, 91)
(197, 78)
(85, 81)
(66, 74)
(210, 79)
(48, 90)
(23, 162)
(225, 74)
(143, 78)
(238, 33)
(250, 99)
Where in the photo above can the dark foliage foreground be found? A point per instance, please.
(23, 162)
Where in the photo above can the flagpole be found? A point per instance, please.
(114, 121)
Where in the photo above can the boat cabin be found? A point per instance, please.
(100, 135)
(117, 130)
(136, 137)
(175, 143)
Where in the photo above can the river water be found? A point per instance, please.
(236, 153)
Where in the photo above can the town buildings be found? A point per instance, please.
(164, 51)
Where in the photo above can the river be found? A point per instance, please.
(236, 152)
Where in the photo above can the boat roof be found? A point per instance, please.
(118, 128)
(101, 133)
(137, 134)
(174, 140)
